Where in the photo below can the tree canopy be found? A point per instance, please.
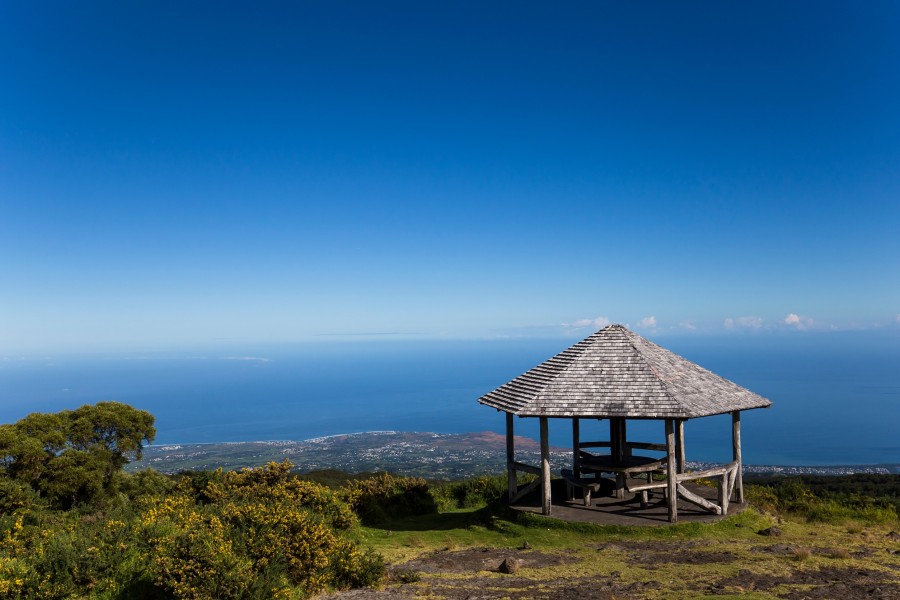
(71, 456)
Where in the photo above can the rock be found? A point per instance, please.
(509, 566)
(772, 531)
(893, 536)
(526, 545)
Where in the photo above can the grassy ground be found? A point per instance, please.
(457, 554)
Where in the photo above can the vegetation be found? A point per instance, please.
(73, 524)
(817, 496)
(72, 457)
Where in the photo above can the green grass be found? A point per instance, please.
(848, 536)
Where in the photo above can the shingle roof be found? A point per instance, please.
(617, 373)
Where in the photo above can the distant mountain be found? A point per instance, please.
(430, 455)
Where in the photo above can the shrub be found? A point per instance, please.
(191, 552)
(16, 495)
(385, 496)
(258, 533)
(483, 490)
(274, 484)
(272, 534)
(793, 496)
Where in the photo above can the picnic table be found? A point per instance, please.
(623, 467)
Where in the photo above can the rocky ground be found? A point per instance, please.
(762, 568)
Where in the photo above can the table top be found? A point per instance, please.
(628, 464)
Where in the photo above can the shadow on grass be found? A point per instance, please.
(443, 521)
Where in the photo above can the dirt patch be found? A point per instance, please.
(682, 553)
(563, 588)
(473, 574)
(777, 549)
(844, 583)
(481, 559)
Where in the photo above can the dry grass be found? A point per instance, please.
(801, 552)
(855, 528)
(841, 553)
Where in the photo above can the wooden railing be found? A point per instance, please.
(515, 466)
(628, 446)
(726, 476)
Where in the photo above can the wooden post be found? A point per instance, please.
(511, 484)
(736, 454)
(576, 435)
(620, 454)
(613, 437)
(545, 468)
(679, 444)
(671, 477)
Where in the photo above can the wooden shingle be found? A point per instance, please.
(617, 373)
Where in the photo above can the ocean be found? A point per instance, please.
(836, 395)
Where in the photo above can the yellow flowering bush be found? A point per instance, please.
(253, 533)
(191, 552)
(274, 484)
(74, 525)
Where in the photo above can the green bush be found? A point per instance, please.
(258, 533)
(793, 495)
(386, 496)
(475, 492)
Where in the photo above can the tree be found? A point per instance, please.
(71, 456)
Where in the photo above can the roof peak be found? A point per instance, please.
(615, 372)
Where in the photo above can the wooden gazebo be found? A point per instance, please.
(616, 374)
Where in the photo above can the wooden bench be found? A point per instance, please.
(586, 485)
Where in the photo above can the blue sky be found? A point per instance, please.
(187, 173)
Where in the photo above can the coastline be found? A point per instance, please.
(427, 454)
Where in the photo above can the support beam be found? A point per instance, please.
(699, 500)
(736, 454)
(511, 483)
(576, 440)
(671, 477)
(613, 437)
(679, 445)
(545, 468)
(622, 451)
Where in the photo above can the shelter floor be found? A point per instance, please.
(605, 509)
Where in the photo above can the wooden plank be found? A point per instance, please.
(545, 467)
(679, 445)
(672, 499)
(726, 482)
(512, 485)
(722, 490)
(656, 485)
(645, 446)
(518, 466)
(575, 447)
(731, 479)
(527, 489)
(736, 453)
(698, 500)
(714, 472)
